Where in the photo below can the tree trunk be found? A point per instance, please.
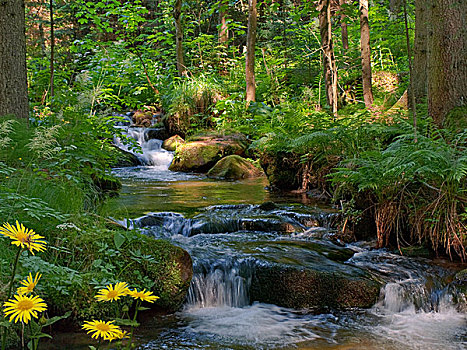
(52, 48)
(250, 52)
(223, 30)
(344, 33)
(329, 61)
(366, 54)
(181, 68)
(419, 81)
(447, 58)
(13, 78)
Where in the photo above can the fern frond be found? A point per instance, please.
(6, 128)
(44, 142)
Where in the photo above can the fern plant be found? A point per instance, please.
(424, 179)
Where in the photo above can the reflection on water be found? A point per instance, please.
(147, 189)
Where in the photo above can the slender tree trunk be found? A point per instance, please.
(366, 54)
(447, 58)
(223, 30)
(181, 68)
(329, 60)
(411, 95)
(250, 52)
(344, 33)
(52, 48)
(13, 77)
(419, 81)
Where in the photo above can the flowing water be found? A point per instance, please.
(230, 232)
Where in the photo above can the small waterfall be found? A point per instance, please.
(223, 283)
(151, 152)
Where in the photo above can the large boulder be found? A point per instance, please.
(142, 118)
(310, 275)
(125, 159)
(282, 169)
(234, 167)
(138, 260)
(172, 143)
(201, 155)
(155, 134)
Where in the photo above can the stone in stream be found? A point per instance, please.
(125, 159)
(309, 275)
(172, 143)
(234, 167)
(155, 134)
(201, 155)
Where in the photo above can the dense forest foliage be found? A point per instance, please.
(363, 102)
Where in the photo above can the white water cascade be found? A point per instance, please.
(150, 153)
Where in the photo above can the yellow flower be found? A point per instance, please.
(105, 330)
(143, 295)
(28, 284)
(111, 293)
(119, 334)
(23, 237)
(21, 308)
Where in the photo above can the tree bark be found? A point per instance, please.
(329, 60)
(181, 68)
(13, 78)
(344, 32)
(223, 30)
(419, 81)
(447, 58)
(250, 52)
(365, 54)
(52, 48)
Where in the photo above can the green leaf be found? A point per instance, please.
(5, 324)
(142, 308)
(119, 239)
(41, 335)
(126, 322)
(54, 319)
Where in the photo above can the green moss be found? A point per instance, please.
(234, 167)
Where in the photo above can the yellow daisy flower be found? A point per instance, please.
(22, 308)
(23, 237)
(111, 293)
(119, 334)
(28, 284)
(105, 330)
(143, 295)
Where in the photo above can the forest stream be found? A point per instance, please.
(232, 230)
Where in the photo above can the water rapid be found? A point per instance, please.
(232, 237)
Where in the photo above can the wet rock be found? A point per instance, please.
(301, 288)
(234, 167)
(268, 206)
(155, 134)
(125, 159)
(282, 170)
(141, 118)
(172, 143)
(200, 156)
(310, 275)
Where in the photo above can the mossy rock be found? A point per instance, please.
(200, 156)
(142, 118)
(282, 169)
(301, 288)
(234, 167)
(125, 159)
(460, 280)
(310, 275)
(139, 260)
(172, 143)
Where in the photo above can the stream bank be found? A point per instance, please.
(251, 248)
